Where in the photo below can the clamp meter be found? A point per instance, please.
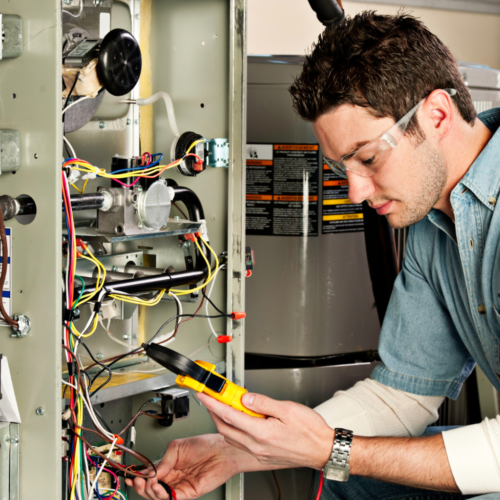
(199, 376)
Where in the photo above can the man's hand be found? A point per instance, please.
(194, 467)
(291, 436)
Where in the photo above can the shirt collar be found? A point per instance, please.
(483, 176)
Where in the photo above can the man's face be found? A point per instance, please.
(408, 185)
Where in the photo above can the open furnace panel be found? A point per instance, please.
(151, 211)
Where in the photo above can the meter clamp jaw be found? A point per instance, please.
(199, 376)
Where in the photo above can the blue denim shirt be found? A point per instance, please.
(444, 312)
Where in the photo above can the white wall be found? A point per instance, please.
(289, 27)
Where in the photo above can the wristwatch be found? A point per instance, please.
(337, 468)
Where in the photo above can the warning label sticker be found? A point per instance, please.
(282, 189)
(339, 214)
(7, 290)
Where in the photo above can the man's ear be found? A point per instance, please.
(439, 112)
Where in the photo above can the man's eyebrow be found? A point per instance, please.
(355, 148)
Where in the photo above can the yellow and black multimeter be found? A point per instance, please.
(199, 376)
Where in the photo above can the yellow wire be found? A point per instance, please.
(102, 280)
(213, 253)
(210, 276)
(134, 300)
(72, 185)
(84, 185)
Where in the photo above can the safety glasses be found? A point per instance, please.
(370, 158)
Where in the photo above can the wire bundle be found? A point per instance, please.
(151, 169)
(83, 456)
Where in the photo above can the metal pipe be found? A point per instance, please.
(87, 201)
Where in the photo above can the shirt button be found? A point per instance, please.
(492, 200)
(481, 309)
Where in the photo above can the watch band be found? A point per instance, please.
(337, 468)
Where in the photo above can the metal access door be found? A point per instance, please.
(195, 50)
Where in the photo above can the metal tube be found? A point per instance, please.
(161, 282)
(87, 201)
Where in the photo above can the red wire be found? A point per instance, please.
(320, 485)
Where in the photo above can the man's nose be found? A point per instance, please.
(360, 188)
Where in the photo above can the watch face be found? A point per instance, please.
(335, 473)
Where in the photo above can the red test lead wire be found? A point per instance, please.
(320, 485)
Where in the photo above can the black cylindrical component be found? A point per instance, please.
(119, 163)
(196, 213)
(328, 11)
(192, 202)
(86, 201)
(161, 282)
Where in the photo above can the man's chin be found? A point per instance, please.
(396, 221)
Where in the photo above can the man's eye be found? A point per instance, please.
(368, 161)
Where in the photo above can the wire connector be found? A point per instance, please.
(191, 237)
(67, 414)
(224, 339)
(238, 315)
(89, 175)
(73, 175)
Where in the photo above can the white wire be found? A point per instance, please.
(69, 146)
(75, 102)
(87, 473)
(69, 384)
(102, 466)
(208, 295)
(79, 12)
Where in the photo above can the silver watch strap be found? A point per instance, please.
(341, 448)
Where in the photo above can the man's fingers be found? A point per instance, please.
(264, 405)
(156, 491)
(140, 488)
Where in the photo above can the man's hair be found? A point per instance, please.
(384, 63)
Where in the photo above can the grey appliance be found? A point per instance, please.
(312, 324)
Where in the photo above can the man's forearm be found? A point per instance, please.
(419, 462)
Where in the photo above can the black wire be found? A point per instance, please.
(213, 305)
(71, 91)
(105, 367)
(102, 420)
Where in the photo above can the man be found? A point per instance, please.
(391, 114)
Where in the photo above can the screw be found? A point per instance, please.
(140, 225)
(99, 356)
(36, 156)
(40, 411)
(67, 2)
(102, 124)
(137, 122)
(14, 440)
(19, 291)
(76, 312)
(187, 244)
(126, 337)
(137, 16)
(129, 121)
(178, 218)
(97, 3)
(100, 251)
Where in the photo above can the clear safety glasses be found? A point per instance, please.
(370, 158)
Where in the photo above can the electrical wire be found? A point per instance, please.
(320, 488)
(277, 484)
(75, 15)
(5, 263)
(209, 301)
(84, 98)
